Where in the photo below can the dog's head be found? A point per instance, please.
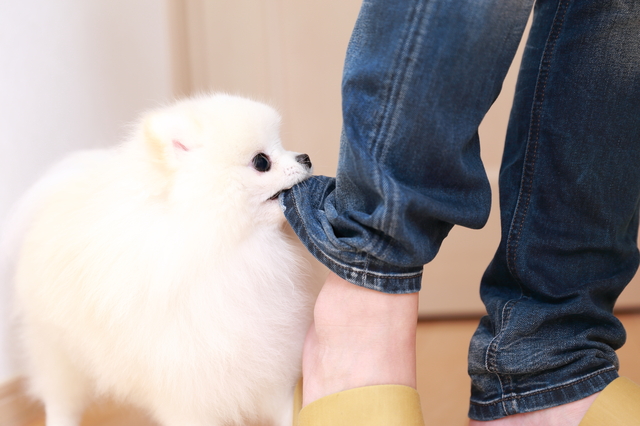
(225, 152)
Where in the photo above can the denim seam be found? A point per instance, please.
(490, 357)
(524, 197)
(534, 393)
(403, 276)
(528, 169)
(492, 351)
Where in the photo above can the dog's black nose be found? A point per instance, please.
(304, 160)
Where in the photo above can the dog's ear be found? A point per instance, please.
(167, 137)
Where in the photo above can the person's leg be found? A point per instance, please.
(419, 77)
(570, 190)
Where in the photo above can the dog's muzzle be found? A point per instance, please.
(302, 159)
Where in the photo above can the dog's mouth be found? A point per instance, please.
(275, 196)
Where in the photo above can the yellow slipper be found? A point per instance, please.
(383, 405)
(617, 405)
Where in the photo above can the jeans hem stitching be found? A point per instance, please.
(567, 385)
(319, 252)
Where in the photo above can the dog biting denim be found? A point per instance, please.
(418, 79)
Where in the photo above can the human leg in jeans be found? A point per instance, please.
(419, 78)
(569, 194)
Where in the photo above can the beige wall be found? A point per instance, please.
(290, 53)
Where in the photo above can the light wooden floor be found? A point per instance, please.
(442, 379)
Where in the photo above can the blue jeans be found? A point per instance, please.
(419, 77)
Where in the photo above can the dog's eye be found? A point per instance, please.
(261, 163)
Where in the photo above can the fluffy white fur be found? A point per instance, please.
(159, 273)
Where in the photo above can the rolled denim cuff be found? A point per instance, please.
(305, 207)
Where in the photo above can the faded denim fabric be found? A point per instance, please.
(569, 196)
(414, 93)
(419, 77)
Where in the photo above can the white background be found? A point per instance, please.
(73, 74)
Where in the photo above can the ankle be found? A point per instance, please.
(349, 317)
(341, 304)
(360, 337)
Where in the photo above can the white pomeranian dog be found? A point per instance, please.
(159, 273)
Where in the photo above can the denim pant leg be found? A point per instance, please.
(569, 194)
(418, 79)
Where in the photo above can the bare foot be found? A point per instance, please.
(359, 337)
(563, 415)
